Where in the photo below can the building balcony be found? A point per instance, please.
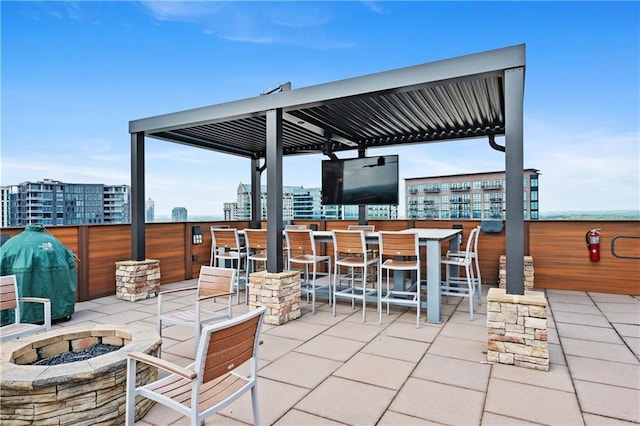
(491, 187)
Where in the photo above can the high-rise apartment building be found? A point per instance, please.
(179, 214)
(299, 203)
(468, 196)
(117, 200)
(149, 210)
(4, 206)
(51, 202)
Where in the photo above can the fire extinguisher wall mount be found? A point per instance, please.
(593, 244)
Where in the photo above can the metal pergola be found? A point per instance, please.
(474, 96)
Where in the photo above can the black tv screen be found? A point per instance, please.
(370, 180)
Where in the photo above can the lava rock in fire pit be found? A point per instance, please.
(81, 355)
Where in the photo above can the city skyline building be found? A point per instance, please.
(300, 203)
(51, 202)
(149, 210)
(179, 214)
(468, 196)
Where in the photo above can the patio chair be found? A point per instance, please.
(302, 250)
(10, 299)
(284, 249)
(255, 241)
(373, 251)
(213, 282)
(213, 381)
(226, 247)
(350, 250)
(462, 286)
(399, 251)
(476, 263)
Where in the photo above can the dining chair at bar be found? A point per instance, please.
(285, 249)
(213, 283)
(373, 251)
(350, 251)
(226, 247)
(255, 241)
(477, 276)
(225, 368)
(462, 286)
(302, 251)
(399, 252)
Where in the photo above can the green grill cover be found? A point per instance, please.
(44, 267)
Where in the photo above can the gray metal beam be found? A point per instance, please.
(256, 208)
(137, 197)
(469, 66)
(514, 110)
(274, 191)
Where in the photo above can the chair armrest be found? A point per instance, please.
(46, 306)
(175, 290)
(164, 365)
(212, 296)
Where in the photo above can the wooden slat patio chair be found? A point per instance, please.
(213, 282)
(10, 299)
(213, 381)
(399, 251)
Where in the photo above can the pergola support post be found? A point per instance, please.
(137, 197)
(274, 192)
(256, 194)
(514, 100)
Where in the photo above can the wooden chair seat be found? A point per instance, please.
(10, 299)
(213, 283)
(212, 382)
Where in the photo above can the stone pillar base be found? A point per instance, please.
(279, 293)
(137, 280)
(528, 272)
(517, 329)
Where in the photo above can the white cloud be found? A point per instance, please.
(584, 169)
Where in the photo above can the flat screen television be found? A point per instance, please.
(369, 180)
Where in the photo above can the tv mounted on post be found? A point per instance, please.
(353, 181)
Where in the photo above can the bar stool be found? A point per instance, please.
(399, 251)
(350, 250)
(255, 240)
(226, 247)
(302, 251)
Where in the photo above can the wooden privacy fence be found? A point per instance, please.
(558, 248)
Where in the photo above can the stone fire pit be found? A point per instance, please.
(88, 392)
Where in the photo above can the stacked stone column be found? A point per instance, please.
(517, 329)
(528, 272)
(137, 280)
(278, 292)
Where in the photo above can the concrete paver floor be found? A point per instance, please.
(327, 370)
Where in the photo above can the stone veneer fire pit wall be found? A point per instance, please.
(80, 393)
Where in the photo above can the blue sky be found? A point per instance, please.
(75, 73)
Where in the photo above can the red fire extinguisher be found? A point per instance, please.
(593, 243)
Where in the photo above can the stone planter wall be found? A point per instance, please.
(279, 293)
(137, 280)
(517, 329)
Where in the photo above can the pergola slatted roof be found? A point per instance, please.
(396, 107)
(473, 96)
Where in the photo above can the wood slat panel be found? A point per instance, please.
(558, 249)
(561, 259)
(107, 245)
